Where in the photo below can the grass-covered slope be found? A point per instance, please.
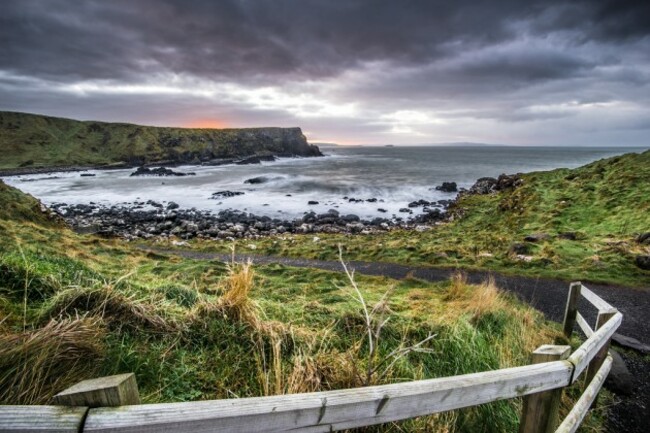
(74, 307)
(586, 220)
(30, 140)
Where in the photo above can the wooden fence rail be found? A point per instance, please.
(542, 382)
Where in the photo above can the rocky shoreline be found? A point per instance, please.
(150, 219)
(161, 219)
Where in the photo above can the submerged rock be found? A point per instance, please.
(160, 171)
(255, 160)
(225, 194)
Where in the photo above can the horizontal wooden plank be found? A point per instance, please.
(333, 410)
(594, 299)
(582, 323)
(42, 419)
(573, 420)
(586, 352)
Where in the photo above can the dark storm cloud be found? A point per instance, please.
(101, 39)
(508, 60)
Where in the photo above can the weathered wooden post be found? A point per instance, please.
(540, 411)
(597, 361)
(571, 309)
(118, 390)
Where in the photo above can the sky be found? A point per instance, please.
(351, 72)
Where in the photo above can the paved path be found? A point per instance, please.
(546, 295)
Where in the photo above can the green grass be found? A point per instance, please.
(30, 140)
(606, 204)
(98, 307)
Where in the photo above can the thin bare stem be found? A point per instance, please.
(371, 343)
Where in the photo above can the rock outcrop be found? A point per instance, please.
(31, 142)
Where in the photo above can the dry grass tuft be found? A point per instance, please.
(114, 307)
(236, 300)
(477, 300)
(35, 365)
(486, 298)
(458, 288)
(304, 376)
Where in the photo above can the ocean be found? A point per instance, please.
(394, 176)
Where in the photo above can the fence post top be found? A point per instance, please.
(551, 350)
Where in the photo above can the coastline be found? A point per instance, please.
(248, 159)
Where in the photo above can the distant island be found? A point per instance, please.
(31, 142)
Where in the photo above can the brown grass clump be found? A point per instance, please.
(114, 307)
(477, 300)
(305, 375)
(36, 364)
(236, 299)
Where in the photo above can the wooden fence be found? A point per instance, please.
(111, 404)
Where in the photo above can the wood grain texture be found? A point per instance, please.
(584, 326)
(540, 410)
(599, 358)
(573, 420)
(333, 410)
(588, 350)
(594, 299)
(109, 391)
(571, 308)
(43, 419)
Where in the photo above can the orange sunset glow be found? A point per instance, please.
(207, 124)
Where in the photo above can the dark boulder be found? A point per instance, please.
(487, 185)
(255, 160)
(172, 205)
(643, 262)
(619, 379)
(448, 187)
(405, 210)
(506, 181)
(484, 185)
(536, 237)
(257, 180)
(312, 202)
(429, 217)
(518, 248)
(160, 171)
(382, 210)
(87, 175)
(570, 236)
(351, 218)
(309, 217)
(419, 203)
(631, 343)
(644, 238)
(225, 194)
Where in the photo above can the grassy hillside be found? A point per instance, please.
(74, 307)
(30, 140)
(586, 221)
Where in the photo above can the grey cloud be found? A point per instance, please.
(309, 38)
(466, 60)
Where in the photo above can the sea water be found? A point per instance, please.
(394, 176)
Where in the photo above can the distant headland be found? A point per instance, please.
(32, 142)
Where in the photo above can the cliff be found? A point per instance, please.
(33, 141)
